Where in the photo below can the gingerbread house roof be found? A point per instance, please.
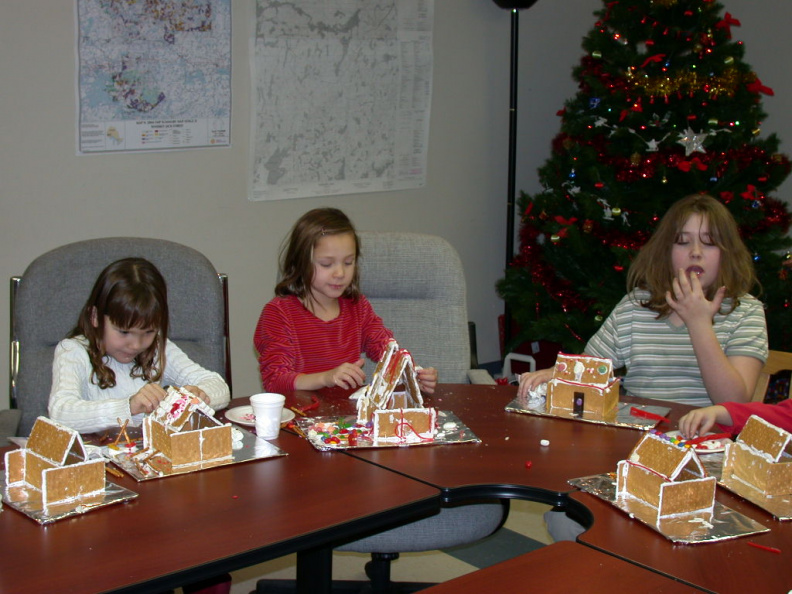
(395, 368)
(56, 443)
(665, 458)
(181, 410)
(766, 438)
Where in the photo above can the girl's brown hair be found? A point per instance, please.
(296, 257)
(131, 293)
(652, 269)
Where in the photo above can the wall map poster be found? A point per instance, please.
(153, 75)
(341, 96)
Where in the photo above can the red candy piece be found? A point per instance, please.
(528, 464)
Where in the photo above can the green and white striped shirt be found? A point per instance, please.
(659, 357)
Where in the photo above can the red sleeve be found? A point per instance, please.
(275, 341)
(290, 340)
(779, 414)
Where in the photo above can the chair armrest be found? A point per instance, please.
(507, 372)
(480, 376)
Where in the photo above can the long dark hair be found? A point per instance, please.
(132, 294)
(296, 257)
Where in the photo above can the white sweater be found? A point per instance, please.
(78, 403)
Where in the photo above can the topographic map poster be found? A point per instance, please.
(341, 96)
(153, 75)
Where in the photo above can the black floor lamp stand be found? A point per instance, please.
(514, 6)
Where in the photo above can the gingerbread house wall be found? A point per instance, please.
(72, 482)
(757, 469)
(562, 395)
(188, 447)
(596, 371)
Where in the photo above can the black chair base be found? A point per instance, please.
(378, 571)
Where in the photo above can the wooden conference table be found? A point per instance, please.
(498, 467)
(193, 526)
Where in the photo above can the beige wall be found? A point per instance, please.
(50, 196)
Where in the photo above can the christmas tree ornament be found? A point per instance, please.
(693, 141)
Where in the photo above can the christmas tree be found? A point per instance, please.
(666, 107)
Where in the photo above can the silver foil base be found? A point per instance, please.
(723, 523)
(621, 417)
(248, 448)
(28, 501)
(450, 430)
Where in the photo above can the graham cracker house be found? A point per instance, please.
(183, 434)
(395, 415)
(583, 384)
(665, 476)
(55, 464)
(761, 457)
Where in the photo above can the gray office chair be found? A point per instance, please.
(48, 297)
(416, 283)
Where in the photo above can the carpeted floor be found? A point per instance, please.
(524, 531)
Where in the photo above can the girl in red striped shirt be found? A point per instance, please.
(312, 333)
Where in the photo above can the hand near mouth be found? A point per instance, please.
(688, 300)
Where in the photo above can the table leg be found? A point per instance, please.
(315, 571)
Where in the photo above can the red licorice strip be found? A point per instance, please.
(314, 404)
(400, 431)
(703, 438)
(765, 548)
(637, 412)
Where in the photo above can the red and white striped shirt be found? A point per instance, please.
(291, 340)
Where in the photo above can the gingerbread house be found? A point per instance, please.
(665, 476)
(182, 434)
(761, 457)
(392, 402)
(583, 385)
(55, 465)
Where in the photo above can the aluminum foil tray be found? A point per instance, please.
(722, 524)
(622, 416)
(450, 431)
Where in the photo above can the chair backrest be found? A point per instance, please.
(416, 284)
(776, 361)
(47, 300)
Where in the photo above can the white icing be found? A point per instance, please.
(579, 370)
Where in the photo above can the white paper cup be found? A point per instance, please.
(267, 408)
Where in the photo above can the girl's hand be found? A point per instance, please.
(531, 380)
(700, 421)
(196, 391)
(427, 378)
(346, 375)
(146, 399)
(688, 299)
